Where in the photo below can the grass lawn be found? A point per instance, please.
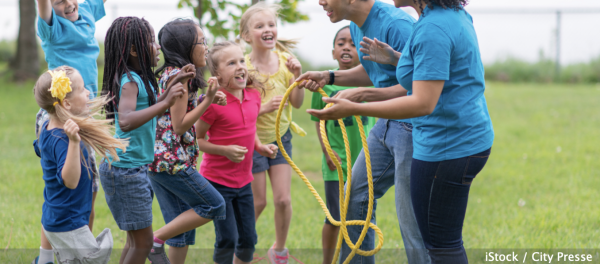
(540, 188)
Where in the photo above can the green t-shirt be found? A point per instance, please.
(334, 133)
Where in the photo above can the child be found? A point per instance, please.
(130, 54)
(63, 146)
(185, 198)
(344, 52)
(258, 27)
(227, 163)
(66, 30)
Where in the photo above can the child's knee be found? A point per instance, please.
(220, 210)
(283, 202)
(260, 204)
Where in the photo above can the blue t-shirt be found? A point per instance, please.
(443, 46)
(140, 151)
(390, 25)
(73, 43)
(64, 209)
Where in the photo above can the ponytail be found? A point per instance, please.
(94, 133)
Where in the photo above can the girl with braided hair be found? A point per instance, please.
(130, 55)
(64, 146)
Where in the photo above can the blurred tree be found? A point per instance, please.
(26, 64)
(223, 16)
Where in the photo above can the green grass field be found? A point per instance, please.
(540, 188)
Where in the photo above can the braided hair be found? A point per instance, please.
(122, 34)
(177, 40)
(445, 4)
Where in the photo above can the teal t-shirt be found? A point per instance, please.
(444, 46)
(140, 151)
(73, 43)
(390, 25)
(334, 133)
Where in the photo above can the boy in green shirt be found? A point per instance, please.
(345, 53)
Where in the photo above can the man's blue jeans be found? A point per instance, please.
(391, 148)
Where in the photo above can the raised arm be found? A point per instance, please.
(130, 119)
(71, 170)
(183, 120)
(45, 10)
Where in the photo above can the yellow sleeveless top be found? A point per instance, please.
(277, 84)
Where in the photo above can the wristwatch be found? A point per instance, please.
(331, 77)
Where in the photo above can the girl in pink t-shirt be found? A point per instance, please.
(227, 159)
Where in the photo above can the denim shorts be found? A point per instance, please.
(40, 118)
(185, 190)
(129, 195)
(261, 163)
(332, 200)
(236, 234)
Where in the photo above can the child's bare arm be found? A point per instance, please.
(71, 171)
(45, 10)
(269, 150)
(328, 159)
(297, 95)
(130, 119)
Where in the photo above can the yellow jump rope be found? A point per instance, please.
(343, 206)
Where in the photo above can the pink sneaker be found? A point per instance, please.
(276, 259)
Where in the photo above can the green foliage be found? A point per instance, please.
(543, 71)
(223, 16)
(7, 50)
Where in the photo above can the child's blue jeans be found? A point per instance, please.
(236, 234)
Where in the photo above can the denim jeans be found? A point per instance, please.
(236, 234)
(390, 146)
(440, 191)
(182, 191)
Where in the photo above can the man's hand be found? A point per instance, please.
(313, 80)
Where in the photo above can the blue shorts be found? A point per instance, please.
(129, 195)
(185, 190)
(261, 163)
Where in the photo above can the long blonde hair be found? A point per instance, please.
(285, 45)
(94, 133)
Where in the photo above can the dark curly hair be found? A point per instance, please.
(454, 4)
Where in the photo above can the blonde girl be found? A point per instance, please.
(227, 159)
(271, 59)
(64, 146)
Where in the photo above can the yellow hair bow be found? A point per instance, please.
(61, 85)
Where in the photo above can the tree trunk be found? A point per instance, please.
(26, 64)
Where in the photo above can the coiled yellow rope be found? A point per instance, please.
(346, 198)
